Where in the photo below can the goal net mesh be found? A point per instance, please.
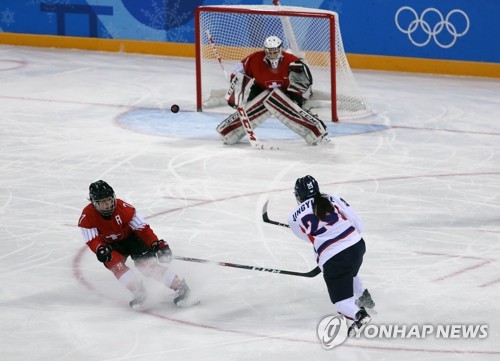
(311, 34)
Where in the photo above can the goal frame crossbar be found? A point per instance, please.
(280, 11)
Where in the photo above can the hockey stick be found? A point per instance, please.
(312, 273)
(266, 219)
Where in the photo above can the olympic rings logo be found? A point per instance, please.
(432, 32)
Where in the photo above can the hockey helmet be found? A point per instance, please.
(102, 197)
(272, 48)
(305, 188)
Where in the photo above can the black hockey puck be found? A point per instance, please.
(174, 108)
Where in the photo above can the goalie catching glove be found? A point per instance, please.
(300, 78)
(163, 251)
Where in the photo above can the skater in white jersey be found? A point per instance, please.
(333, 228)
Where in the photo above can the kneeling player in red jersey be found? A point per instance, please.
(114, 231)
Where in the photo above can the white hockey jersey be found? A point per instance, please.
(335, 233)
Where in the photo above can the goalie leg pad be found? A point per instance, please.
(231, 129)
(309, 127)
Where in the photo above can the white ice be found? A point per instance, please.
(423, 173)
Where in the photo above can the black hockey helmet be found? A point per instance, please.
(101, 190)
(305, 188)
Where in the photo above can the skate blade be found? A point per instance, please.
(138, 308)
(188, 302)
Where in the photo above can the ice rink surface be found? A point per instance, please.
(423, 173)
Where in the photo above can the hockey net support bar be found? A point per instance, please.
(313, 273)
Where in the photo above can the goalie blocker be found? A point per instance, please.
(276, 103)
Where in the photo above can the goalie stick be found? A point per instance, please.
(254, 142)
(310, 274)
(217, 56)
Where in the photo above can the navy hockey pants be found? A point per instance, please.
(340, 270)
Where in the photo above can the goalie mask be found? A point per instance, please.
(272, 48)
(102, 197)
(305, 188)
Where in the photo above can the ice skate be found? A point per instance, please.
(182, 296)
(137, 303)
(326, 139)
(362, 318)
(365, 300)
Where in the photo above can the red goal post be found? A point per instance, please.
(225, 34)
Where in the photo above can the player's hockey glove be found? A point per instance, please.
(163, 251)
(103, 253)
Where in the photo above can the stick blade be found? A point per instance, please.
(264, 212)
(264, 146)
(266, 218)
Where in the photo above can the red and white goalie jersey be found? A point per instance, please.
(124, 221)
(255, 66)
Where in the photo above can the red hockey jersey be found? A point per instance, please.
(124, 220)
(255, 66)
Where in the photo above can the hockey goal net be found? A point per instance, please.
(226, 34)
